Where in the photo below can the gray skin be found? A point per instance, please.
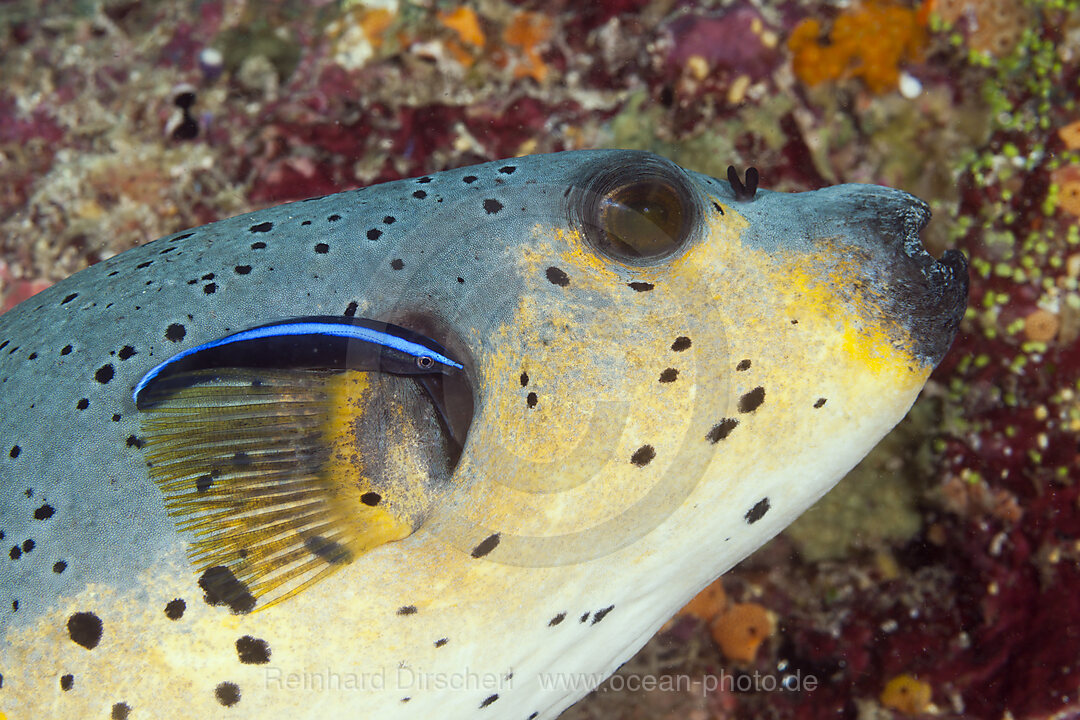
(428, 253)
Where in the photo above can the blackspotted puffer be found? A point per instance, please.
(659, 371)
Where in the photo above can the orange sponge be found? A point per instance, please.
(740, 631)
(869, 43)
(907, 694)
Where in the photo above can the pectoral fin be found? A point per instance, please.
(283, 477)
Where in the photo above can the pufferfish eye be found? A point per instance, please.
(638, 212)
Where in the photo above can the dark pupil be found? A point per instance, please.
(646, 218)
(424, 361)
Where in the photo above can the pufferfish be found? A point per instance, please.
(643, 373)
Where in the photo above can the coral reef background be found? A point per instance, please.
(941, 577)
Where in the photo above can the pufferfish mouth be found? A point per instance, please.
(932, 292)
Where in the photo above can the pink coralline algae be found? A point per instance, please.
(736, 42)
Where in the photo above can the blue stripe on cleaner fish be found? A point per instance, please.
(311, 342)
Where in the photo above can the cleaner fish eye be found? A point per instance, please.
(508, 418)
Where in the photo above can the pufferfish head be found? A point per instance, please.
(666, 352)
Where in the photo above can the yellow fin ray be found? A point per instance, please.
(264, 470)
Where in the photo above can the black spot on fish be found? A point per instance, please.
(721, 430)
(531, 400)
(59, 566)
(492, 206)
(84, 628)
(601, 614)
(488, 700)
(204, 482)
(185, 236)
(557, 277)
(681, 343)
(262, 227)
(208, 276)
(227, 693)
(69, 298)
(306, 222)
(322, 248)
(222, 588)
(330, 551)
(210, 289)
(350, 309)
(374, 234)
(524, 379)
(32, 356)
(105, 373)
(641, 286)
(419, 194)
(643, 455)
(252, 650)
(389, 220)
(533, 716)
(174, 609)
(120, 711)
(175, 332)
(258, 245)
(371, 498)
(16, 552)
(440, 642)
(469, 179)
(557, 619)
(584, 618)
(461, 280)
(397, 264)
(743, 365)
(67, 682)
(14, 452)
(66, 350)
(757, 512)
(242, 269)
(819, 403)
(82, 404)
(669, 375)
(116, 417)
(794, 322)
(407, 610)
(135, 442)
(487, 545)
(44, 512)
(508, 170)
(423, 181)
(752, 400)
(28, 545)
(126, 352)
(333, 218)
(718, 208)
(147, 264)
(241, 459)
(14, 606)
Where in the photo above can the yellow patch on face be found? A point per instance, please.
(612, 416)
